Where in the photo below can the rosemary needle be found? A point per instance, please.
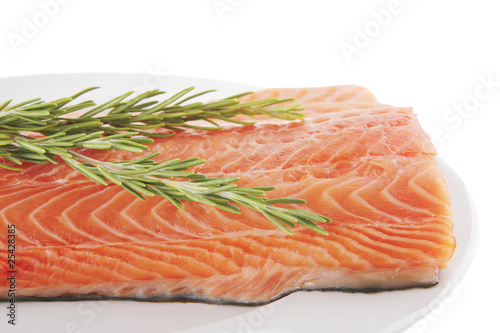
(35, 131)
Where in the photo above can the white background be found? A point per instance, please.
(434, 56)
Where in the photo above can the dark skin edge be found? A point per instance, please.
(196, 299)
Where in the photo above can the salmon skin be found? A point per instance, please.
(369, 167)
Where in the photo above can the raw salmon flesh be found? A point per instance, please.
(368, 166)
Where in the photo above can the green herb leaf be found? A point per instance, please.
(35, 131)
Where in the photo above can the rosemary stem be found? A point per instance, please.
(35, 131)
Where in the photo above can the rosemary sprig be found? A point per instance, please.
(41, 132)
(144, 177)
(138, 114)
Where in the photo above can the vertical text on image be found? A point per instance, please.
(11, 273)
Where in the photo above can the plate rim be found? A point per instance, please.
(458, 273)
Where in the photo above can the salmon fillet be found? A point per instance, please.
(368, 166)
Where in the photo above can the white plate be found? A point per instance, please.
(300, 312)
